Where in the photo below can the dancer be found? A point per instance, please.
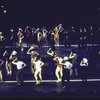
(7, 63)
(56, 36)
(66, 71)
(80, 36)
(2, 38)
(73, 57)
(66, 38)
(20, 65)
(84, 65)
(38, 72)
(33, 55)
(11, 37)
(58, 71)
(12, 57)
(51, 40)
(44, 36)
(20, 38)
(39, 38)
(1, 63)
(51, 54)
(28, 32)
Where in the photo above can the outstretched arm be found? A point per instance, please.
(63, 63)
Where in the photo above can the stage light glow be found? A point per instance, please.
(5, 11)
(2, 6)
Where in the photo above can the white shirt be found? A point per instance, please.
(19, 64)
(67, 65)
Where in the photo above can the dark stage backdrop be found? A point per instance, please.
(50, 13)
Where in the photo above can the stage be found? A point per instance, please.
(66, 26)
(50, 89)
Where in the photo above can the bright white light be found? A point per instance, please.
(11, 30)
(5, 11)
(2, 6)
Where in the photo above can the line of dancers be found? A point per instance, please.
(64, 65)
(53, 37)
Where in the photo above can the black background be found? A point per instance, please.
(50, 12)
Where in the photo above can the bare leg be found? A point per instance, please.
(40, 76)
(36, 76)
(61, 74)
(32, 68)
(6, 64)
(57, 74)
(1, 75)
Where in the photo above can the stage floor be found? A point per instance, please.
(50, 89)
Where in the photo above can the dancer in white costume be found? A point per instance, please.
(38, 72)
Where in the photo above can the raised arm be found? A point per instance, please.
(14, 53)
(29, 51)
(50, 53)
(4, 53)
(72, 55)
